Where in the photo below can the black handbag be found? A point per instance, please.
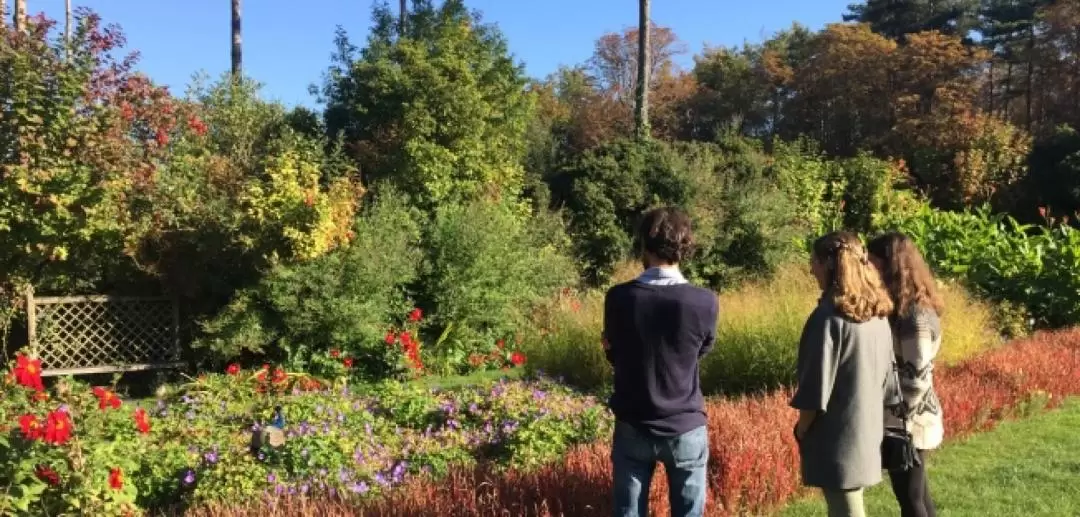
(898, 451)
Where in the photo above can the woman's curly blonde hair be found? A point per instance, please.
(854, 285)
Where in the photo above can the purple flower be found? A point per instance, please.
(473, 408)
(190, 415)
(189, 477)
(344, 476)
(271, 478)
(304, 488)
(359, 488)
(279, 489)
(211, 457)
(539, 395)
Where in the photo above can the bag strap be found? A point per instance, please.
(895, 366)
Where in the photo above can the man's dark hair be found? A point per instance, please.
(666, 234)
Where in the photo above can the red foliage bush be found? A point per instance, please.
(754, 461)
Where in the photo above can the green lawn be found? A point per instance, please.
(1029, 467)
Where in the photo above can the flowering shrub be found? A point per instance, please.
(753, 458)
(82, 448)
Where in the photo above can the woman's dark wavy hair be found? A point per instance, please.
(666, 234)
(906, 275)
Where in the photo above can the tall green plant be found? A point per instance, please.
(1034, 266)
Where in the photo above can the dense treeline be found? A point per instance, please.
(439, 175)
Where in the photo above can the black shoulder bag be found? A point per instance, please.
(897, 447)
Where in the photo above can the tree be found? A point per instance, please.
(237, 45)
(441, 112)
(403, 11)
(895, 19)
(67, 22)
(20, 15)
(641, 115)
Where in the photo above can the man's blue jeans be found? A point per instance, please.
(634, 455)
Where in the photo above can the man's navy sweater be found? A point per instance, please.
(656, 335)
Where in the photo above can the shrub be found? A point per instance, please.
(346, 300)
(487, 266)
(743, 223)
(1004, 260)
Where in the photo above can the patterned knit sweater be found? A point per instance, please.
(916, 342)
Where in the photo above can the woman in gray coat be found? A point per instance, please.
(844, 356)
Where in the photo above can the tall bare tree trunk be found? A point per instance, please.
(404, 15)
(237, 47)
(641, 115)
(67, 27)
(20, 15)
(3, 13)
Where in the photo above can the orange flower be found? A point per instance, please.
(40, 396)
(116, 478)
(28, 372)
(106, 398)
(279, 376)
(142, 421)
(57, 427)
(31, 427)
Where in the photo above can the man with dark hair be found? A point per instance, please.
(656, 329)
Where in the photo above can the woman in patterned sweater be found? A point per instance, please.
(916, 341)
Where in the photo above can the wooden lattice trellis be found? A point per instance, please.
(75, 335)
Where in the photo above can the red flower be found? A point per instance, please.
(40, 396)
(47, 475)
(1042, 212)
(162, 137)
(517, 358)
(196, 125)
(233, 369)
(31, 427)
(106, 398)
(476, 360)
(335, 353)
(142, 421)
(348, 362)
(416, 315)
(390, 338)
(57, 427)
(116, 478)
(279, 376)
(28, 372)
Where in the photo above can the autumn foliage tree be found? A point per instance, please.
(110, 184)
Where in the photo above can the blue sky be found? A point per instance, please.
(287, 44)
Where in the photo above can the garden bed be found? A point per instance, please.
(194, 445)
(754, 460)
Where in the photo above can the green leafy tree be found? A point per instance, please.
(440, 111)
